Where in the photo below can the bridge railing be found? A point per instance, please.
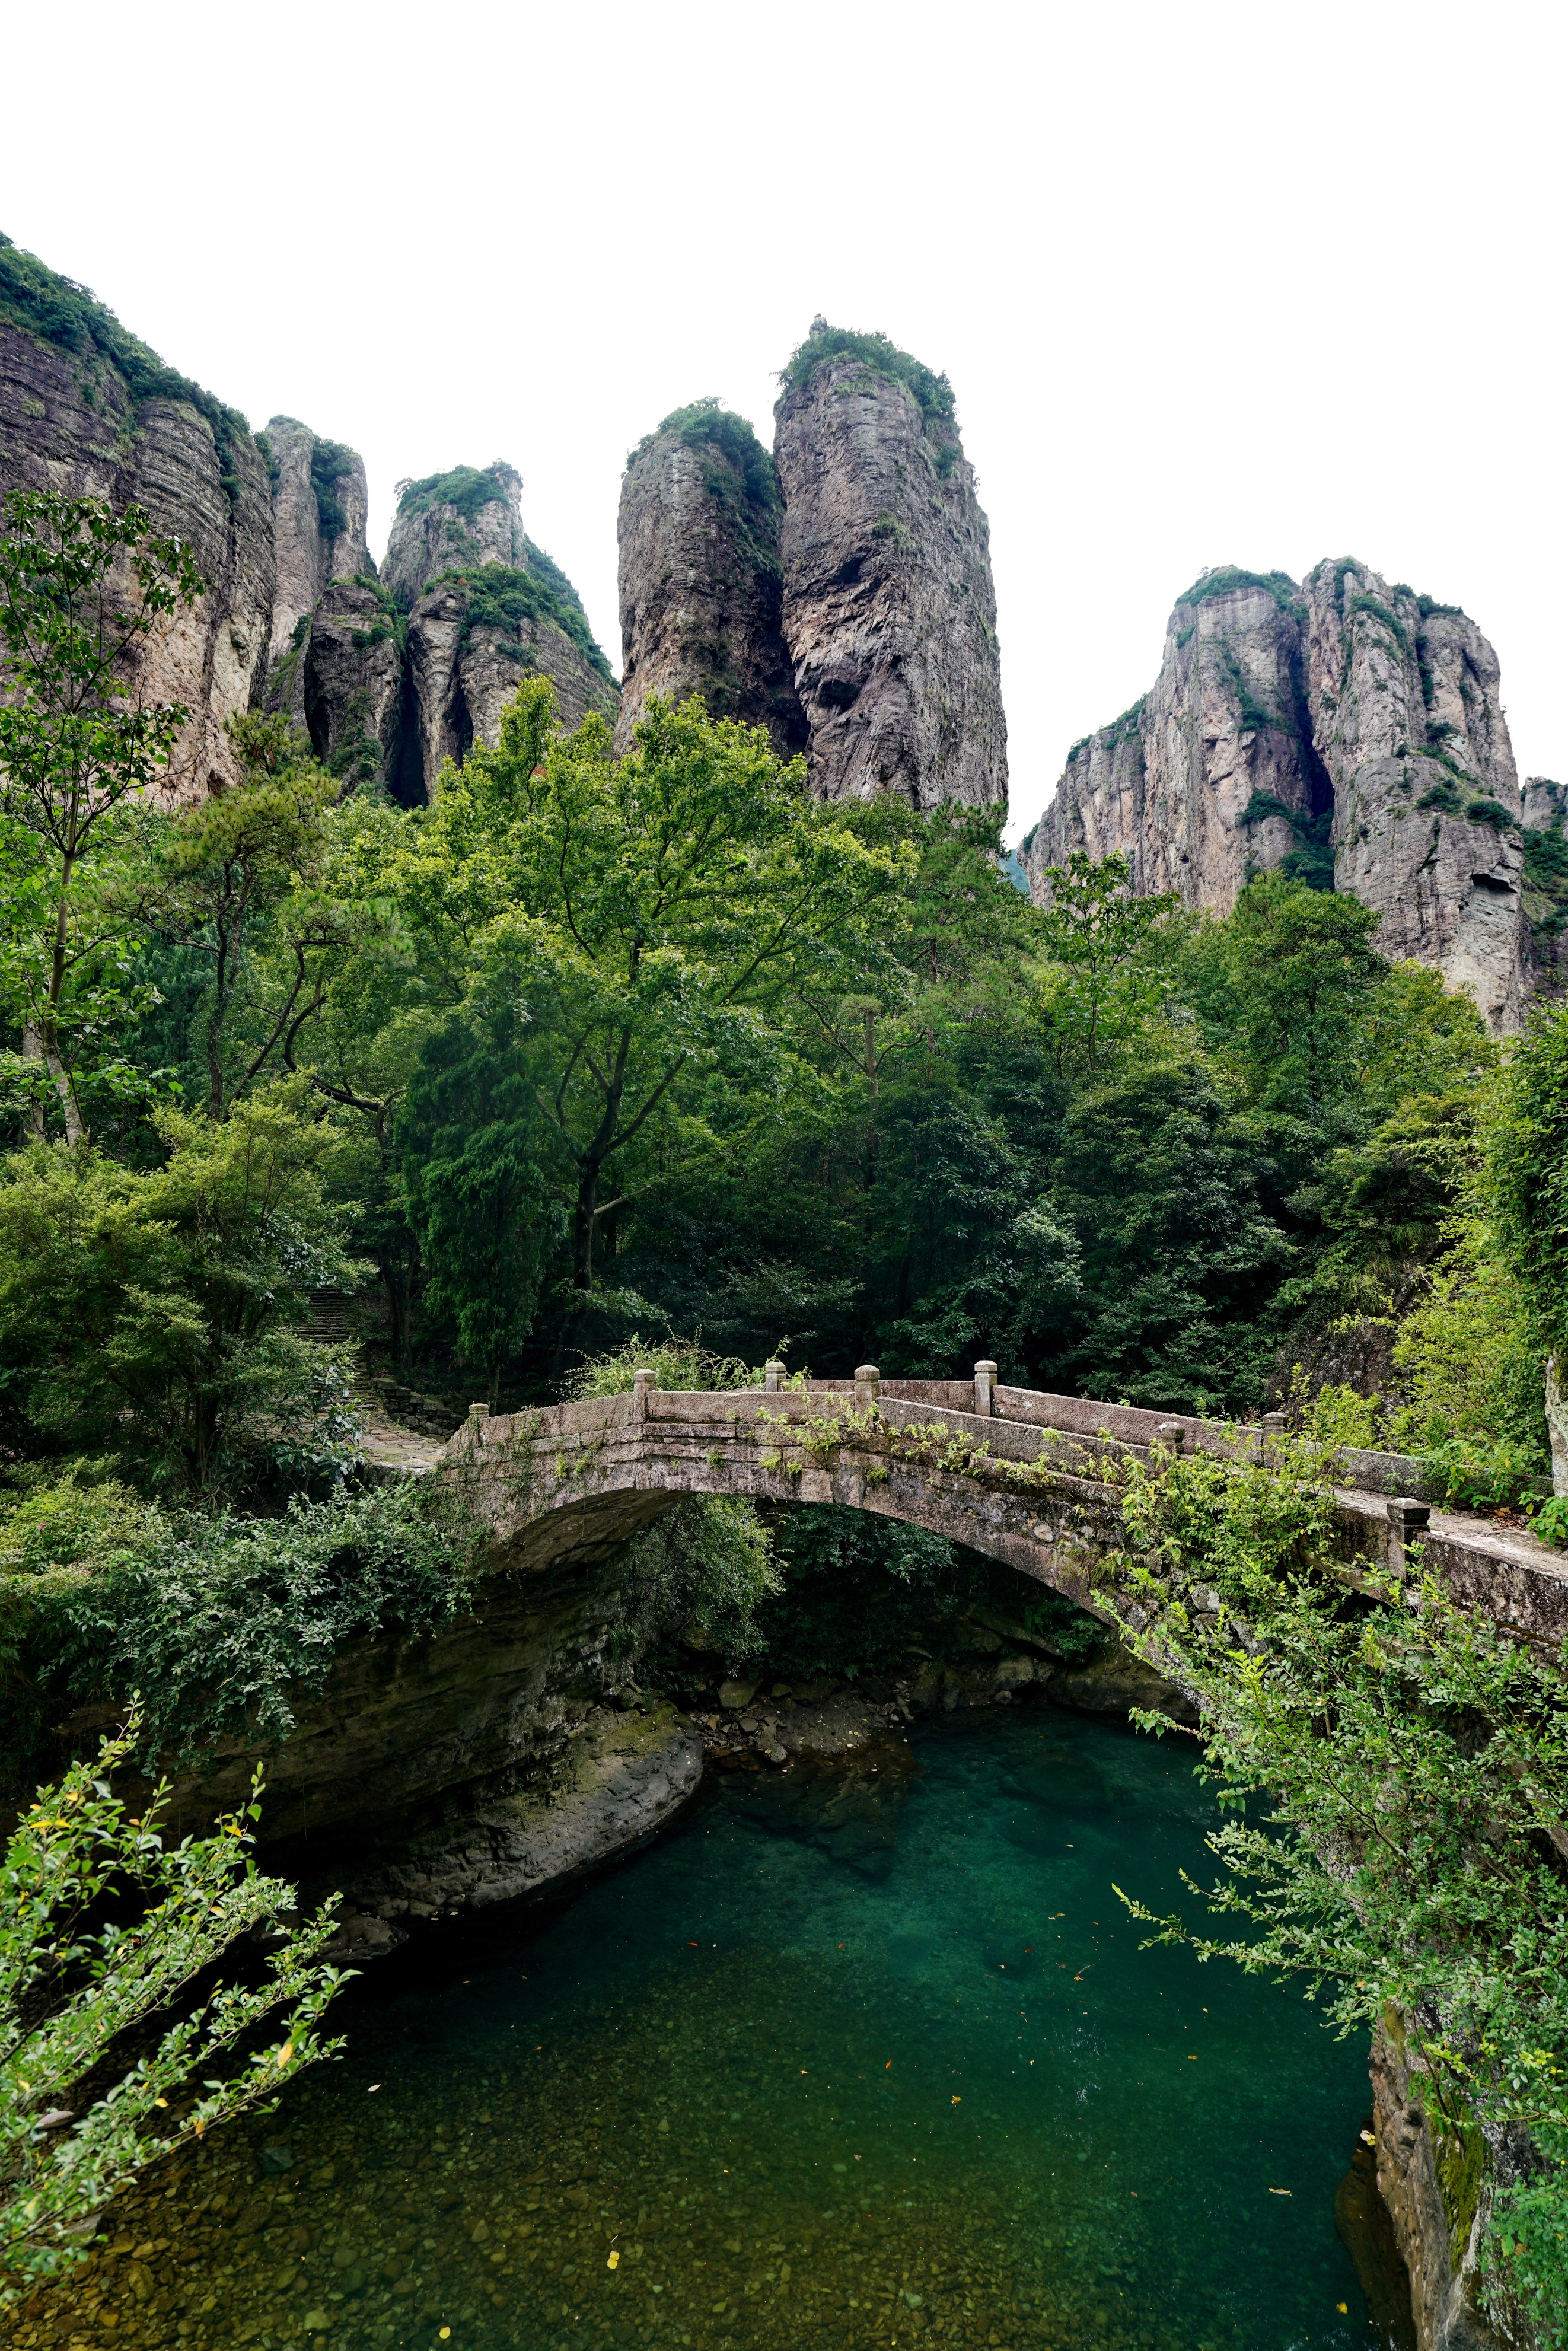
(981, 1408)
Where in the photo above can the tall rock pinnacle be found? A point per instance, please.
(700, 577)
(888, 610)
(320, 503)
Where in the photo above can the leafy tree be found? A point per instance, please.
(106, 1931)
(79, 587)
(1099, 934)
(1160, 1182)
(151, 1314)
(1525, 1178)
(213, 875)
(655, 914)
(477, 1199)
(1300, 974)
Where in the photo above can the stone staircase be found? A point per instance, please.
(339, 1322)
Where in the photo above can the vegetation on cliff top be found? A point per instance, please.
(70, 317)
(1228, 577)
(466, 489)
(705, 424)
(933, 393)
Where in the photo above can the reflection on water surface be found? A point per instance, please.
(858, 2056)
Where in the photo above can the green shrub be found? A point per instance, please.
(1370, 604)
(223, 1624)
(330, 462)
(502, 599)
(1492, 813)
(676, 1364)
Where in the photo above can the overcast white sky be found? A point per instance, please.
(1215, 283)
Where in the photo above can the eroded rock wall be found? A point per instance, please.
(1198, 782)
(701, 581)
(69, 422)
(889, 611)
(1353, 729)
(499, 1755)
(1407, 717)
(313, 547)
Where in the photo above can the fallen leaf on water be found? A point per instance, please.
(1279, 2192)
(957, 2102)
(612, 2262)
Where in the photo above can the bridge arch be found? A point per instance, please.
(567, 1483)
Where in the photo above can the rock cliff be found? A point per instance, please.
(889, 611)
(1350, 732)
(395, 674)
(88, 410)
(701, 581)
(320, 503)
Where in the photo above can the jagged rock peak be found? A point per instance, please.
(889, 611)
(701, 581)
(453, 522)
(319, 505)
(1347, 731)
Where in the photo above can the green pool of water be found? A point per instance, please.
(859, 2055)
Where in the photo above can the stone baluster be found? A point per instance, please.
(1271, 1436)
(985, 1387)
(772, 1376)
(868, 1386)
(643, 1383)
(1172, 1435)
(478, 1413)
(1408, 1521)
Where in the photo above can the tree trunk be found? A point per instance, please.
(582, 1227)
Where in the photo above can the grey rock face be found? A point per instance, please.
(889, 611)
(463, 674)
(349, 667)
(701, 582)
(481, 521)
(1407, 718)
(310, 552)
(1279, 708)
(162, 453)
(1545, 804)
(627, 1775)
(1197, 783)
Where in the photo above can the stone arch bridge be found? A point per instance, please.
(1018, 1475)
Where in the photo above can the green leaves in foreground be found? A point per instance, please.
(1397, 1771)
(115, 2041)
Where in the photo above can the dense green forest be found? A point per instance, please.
(589, 1048)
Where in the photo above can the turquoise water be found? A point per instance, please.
(859, 2055)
